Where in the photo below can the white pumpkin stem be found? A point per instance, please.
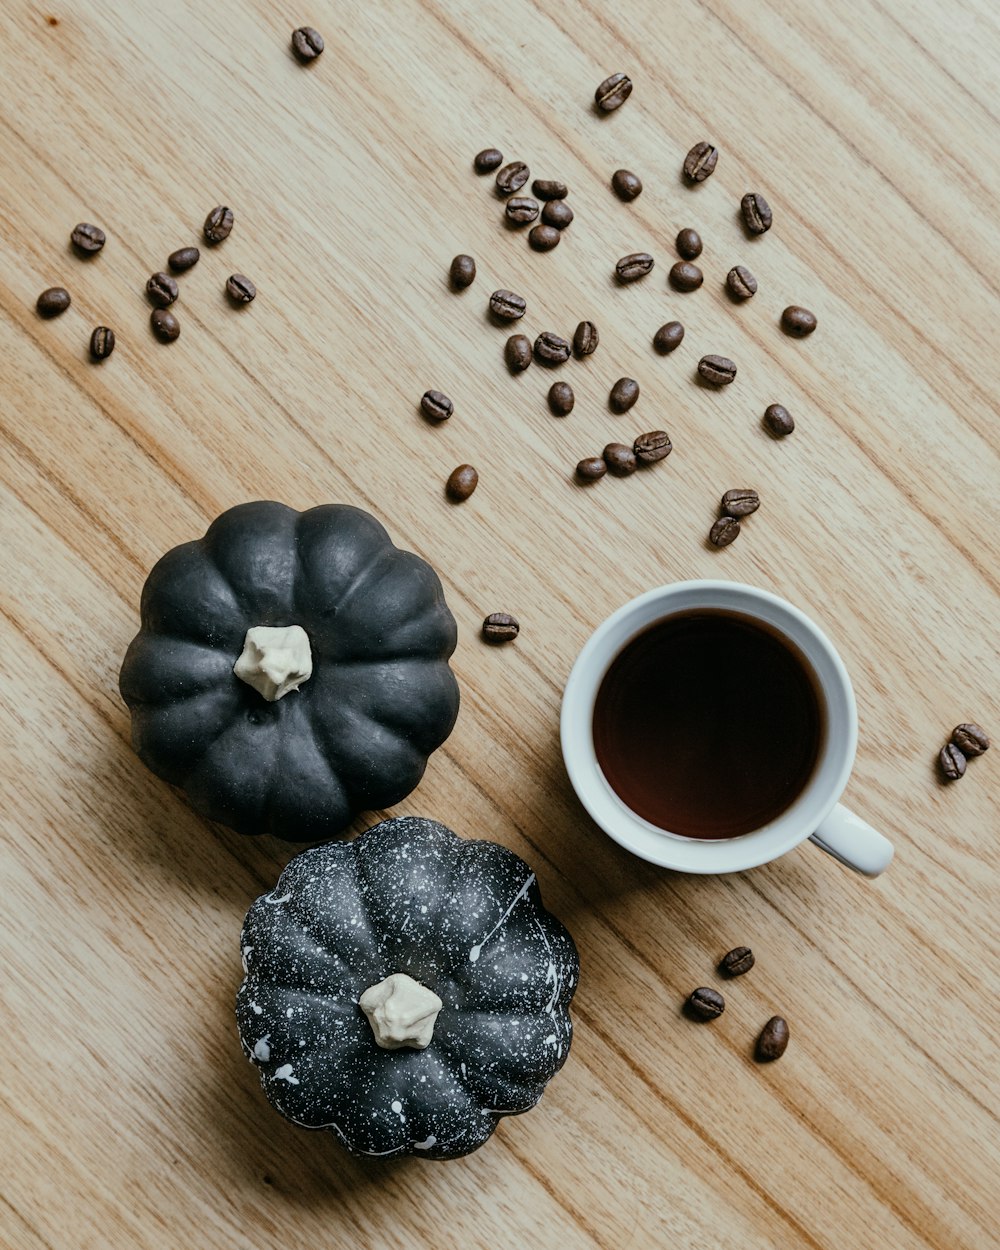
(401, 1011)
(275, 661)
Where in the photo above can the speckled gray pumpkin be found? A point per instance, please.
(463, 918)
(357, 733)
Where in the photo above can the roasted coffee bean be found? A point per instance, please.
(756, 212)
(635, 265)
(700, 162)
(798, 321)
(773, 1040)
(507, 306)
(706, 1003)
(741, 283)
(240, 289)
(462, 482)
(585, 338)
(625, 184)
(719, 370)
(952, 762)
(218, 224)
(501, 627)
(521, 209)
(549, 189)
(684, 276)
(161, 290)
(53, 301)
(741, 502)
(512, 177)
(623, 395)
(737, 961)
(544, 238)
(87, 239)
(165, 325)
(102, 343)
(970, 739)
(517, 353)
(725, 531)
(651, 447)
(620, 459)
(462, 272)
(183, 259)
(561, 399)
(550, 349)
(668, 337)
(487, 160)
(436, 406)
(613, 92)
(591, 469)
(557, 213)
(778, 420)
(689, 243)
(307, 44)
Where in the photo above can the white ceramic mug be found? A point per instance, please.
(815, 813)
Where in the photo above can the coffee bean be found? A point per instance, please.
(700, 162)
(549, 189)
(756, 212)
(798, 321)
(741, 283)
(970, 739)
(240, 289)
(436, 406)
(737, 961)
(544, 238)
(165, 325)
(740, 503)
(487, 160)
(161, 290)
(87, 239)
(501, 627)
(561, 399)
(102, 343)
(462, 272)
(53, 301)
(773, 1040)
(706, 1003)
(613, 92)
(507, 306)
(952, 762)
(550, 349)
(635, 265)
(689, 243)
(517, 353)
(625, 184)
(620, 459)
(725, 531)
(684, 276)
(218, 224)
(521, 209)
(623, 395)
(668, 337)
(557, 213)
(512, 177)
(591, 469)
(778, 420)
(719, 370)
(651, 447)
(183, 259)
(307, 44)
(585, 338)
(462, 482)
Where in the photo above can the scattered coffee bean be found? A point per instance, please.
(585, 338)
(591, 469)
(462, 272)
(161, 290)
(102, 343)
(549, 189)
(165, 325)
(623, 395)
(240, 289)
(952, 762)
(512, 177)
(87, 239)
(550, 349)
(561, 399)
(719, 370)
(798, 321)
(706, 1003)
(620, 459)
(544, 238)
(625, 184)
(183, 259)
(740, 503)
(613, 92)
(635, 265)
(778, 420)
(501, 627)
(684, 276)
(741, 283)
(436, 406)
(756, 212)
(651, 447)
(462, 482)
(53, 301)
(517, 353)
(557, 213)
(725, 531)
(689, 243)
(487, 160)
(773, 1040)
(668, 337)
(970, 739)
(507, 306)
(307, 44)
(737, 961)
(521, 209)
(218, 224)
(700, 162)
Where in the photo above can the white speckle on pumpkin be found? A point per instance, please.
(477, 950)
(257, 1011)
(245, 955)
(262, 1048)
(269, 898)
(288, 1013)
(284, 1073)
(425, 1145)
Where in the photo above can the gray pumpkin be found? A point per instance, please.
(291, 669)
(405, 990)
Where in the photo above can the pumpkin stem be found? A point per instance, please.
(401, 1012)
(275, 661)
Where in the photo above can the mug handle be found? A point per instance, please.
(846, 837)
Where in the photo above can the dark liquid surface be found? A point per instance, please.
(708, 724)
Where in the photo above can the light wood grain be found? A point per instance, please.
(130, 1118)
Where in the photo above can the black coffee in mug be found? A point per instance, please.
(708, 724)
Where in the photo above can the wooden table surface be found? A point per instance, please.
(130, 1117)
